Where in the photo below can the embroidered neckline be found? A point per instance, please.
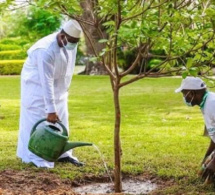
(203, 100)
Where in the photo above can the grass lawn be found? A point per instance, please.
(160, 135)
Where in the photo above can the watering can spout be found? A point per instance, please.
(71, 145)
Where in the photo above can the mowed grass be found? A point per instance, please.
(160, 135)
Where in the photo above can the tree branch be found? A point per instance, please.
(94, 50)
(135, 4)
(131, 17)
(134, 64)
(83, 21)
(139, 76)
(149, 7)
(118, 23)
(181, 3)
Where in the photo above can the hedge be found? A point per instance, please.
(11, 67)
(6, 47)
(14, 41)
(12, 55)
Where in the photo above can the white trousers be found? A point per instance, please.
(31, 114)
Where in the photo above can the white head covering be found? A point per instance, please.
(72, 28)
(191, 83)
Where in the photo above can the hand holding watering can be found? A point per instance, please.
(52, 117)
(207, 171)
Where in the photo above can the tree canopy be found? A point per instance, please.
(164, 34)
(29, 22)
(176, 33)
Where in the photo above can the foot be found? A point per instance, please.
(71, 160)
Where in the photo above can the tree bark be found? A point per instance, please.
(92, 68)
(117, 143)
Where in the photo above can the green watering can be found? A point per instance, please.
(49, 142)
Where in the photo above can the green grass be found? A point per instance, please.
(159, 134)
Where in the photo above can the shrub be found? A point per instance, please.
(14, 41)
(154, 62)
(6, 47)
(12, 55)
(11, 67)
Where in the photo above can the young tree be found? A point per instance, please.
(176, 34)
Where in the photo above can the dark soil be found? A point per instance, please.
(26, 182)
(37, 183)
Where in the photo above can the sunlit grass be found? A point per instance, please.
(159, 134)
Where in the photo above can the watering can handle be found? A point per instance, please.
(42, 120)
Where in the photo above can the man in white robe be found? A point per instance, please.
(45, 80)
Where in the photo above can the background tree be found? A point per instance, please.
(177, 34)
(92, 67)
(33, 23)
(3, 22)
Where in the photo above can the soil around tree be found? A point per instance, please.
(26, 182)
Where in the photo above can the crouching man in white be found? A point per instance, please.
(194, 93)
(45, 80)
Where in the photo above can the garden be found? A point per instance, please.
(132, 56)
(162, 139)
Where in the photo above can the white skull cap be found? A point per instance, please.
(191, 83)
(72, 28)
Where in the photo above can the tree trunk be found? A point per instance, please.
(117, 143)
(92, 68)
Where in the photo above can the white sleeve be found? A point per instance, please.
(210, 122)
(45, 63)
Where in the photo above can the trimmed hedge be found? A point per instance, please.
(12, 55)
(11, 67)
(6, 47)
(14, 41)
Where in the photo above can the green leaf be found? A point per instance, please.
(109, 23)
(102, 53)
(211, 83)
(93, 59)
(193, 71)
(103, 40)
(184, 74)
(189, 63)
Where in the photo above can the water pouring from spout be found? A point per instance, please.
(105, 164)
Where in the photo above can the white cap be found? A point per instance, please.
(72, 28)
(191, 83)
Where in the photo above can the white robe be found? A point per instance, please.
(45, 80)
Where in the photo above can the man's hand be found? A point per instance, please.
(209, 173)
(52, 117)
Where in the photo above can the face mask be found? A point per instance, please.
(69, 46)
(185, 101)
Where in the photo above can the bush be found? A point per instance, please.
(12, 55)
(154, 62)
(11, 67)
(14, 41)
(6, 47)
(126, 58)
